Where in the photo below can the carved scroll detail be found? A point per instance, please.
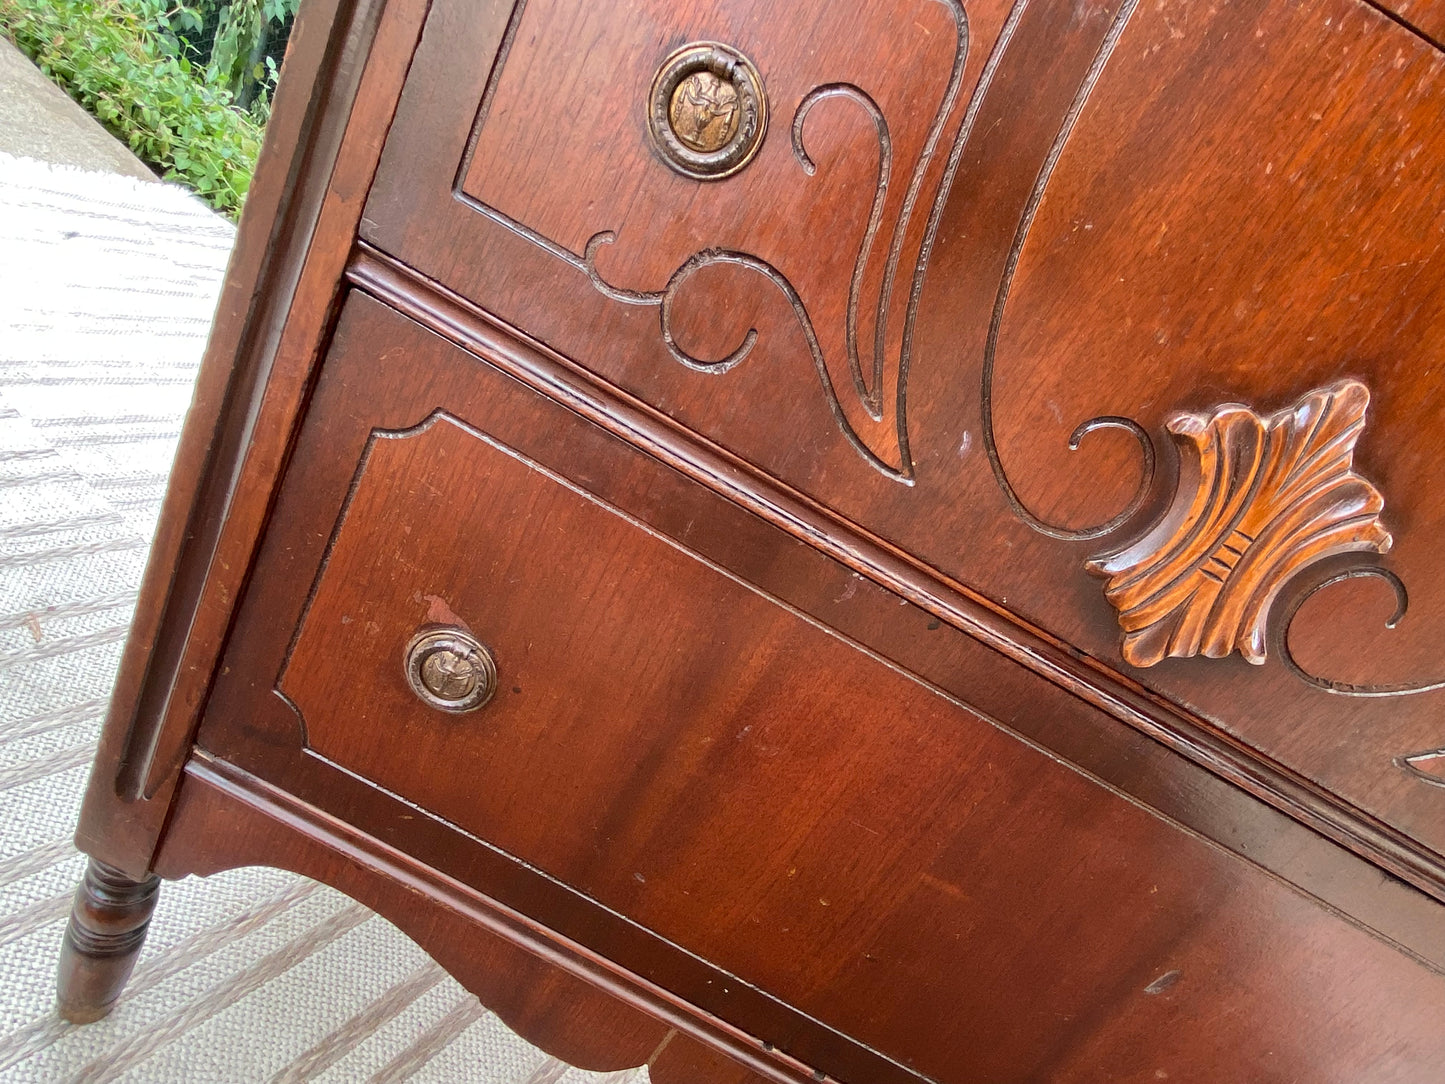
(878, 376)
(1260, 498)
(1346, 688)
(868, 381)
(1428, 767)
(990, 353)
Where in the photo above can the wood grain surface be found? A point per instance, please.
(1425, 17)
(1139, 211)
(814, 753)
(321, 151)
(680, 770)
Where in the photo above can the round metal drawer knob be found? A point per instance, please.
(707, 112)
(450, 669)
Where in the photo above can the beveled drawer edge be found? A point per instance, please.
(471, 328)
(1119, 758)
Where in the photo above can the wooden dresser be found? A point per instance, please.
(878, 542)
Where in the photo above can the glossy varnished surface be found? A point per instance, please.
(1426, 17)
(575, 1010)
(321, 150)
(1194, 208)
(756, 791)
(814, 753)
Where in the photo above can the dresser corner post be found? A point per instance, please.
(107, 927)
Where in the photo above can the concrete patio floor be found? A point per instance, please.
(38, 120)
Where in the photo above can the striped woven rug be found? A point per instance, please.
(106, 291)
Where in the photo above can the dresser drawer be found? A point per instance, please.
(714, 779)
(797, 541)
(975, 327)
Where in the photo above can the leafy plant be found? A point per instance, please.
(125, 61)
(237, 57)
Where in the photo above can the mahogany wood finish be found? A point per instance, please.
(1424, 17)
(813, 752)
(1151, 210)
(274, 313)
(103, 940)
(1259, 500)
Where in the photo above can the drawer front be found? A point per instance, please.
(705, 761)
(988, 304)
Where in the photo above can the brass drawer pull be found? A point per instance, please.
(707, 111)
(450, 669)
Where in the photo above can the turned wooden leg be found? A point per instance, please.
(107, 928)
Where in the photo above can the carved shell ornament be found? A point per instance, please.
(1260, 498)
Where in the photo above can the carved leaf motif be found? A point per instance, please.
(1259, 499)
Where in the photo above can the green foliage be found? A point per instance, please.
(126, 62)
(237, 55)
